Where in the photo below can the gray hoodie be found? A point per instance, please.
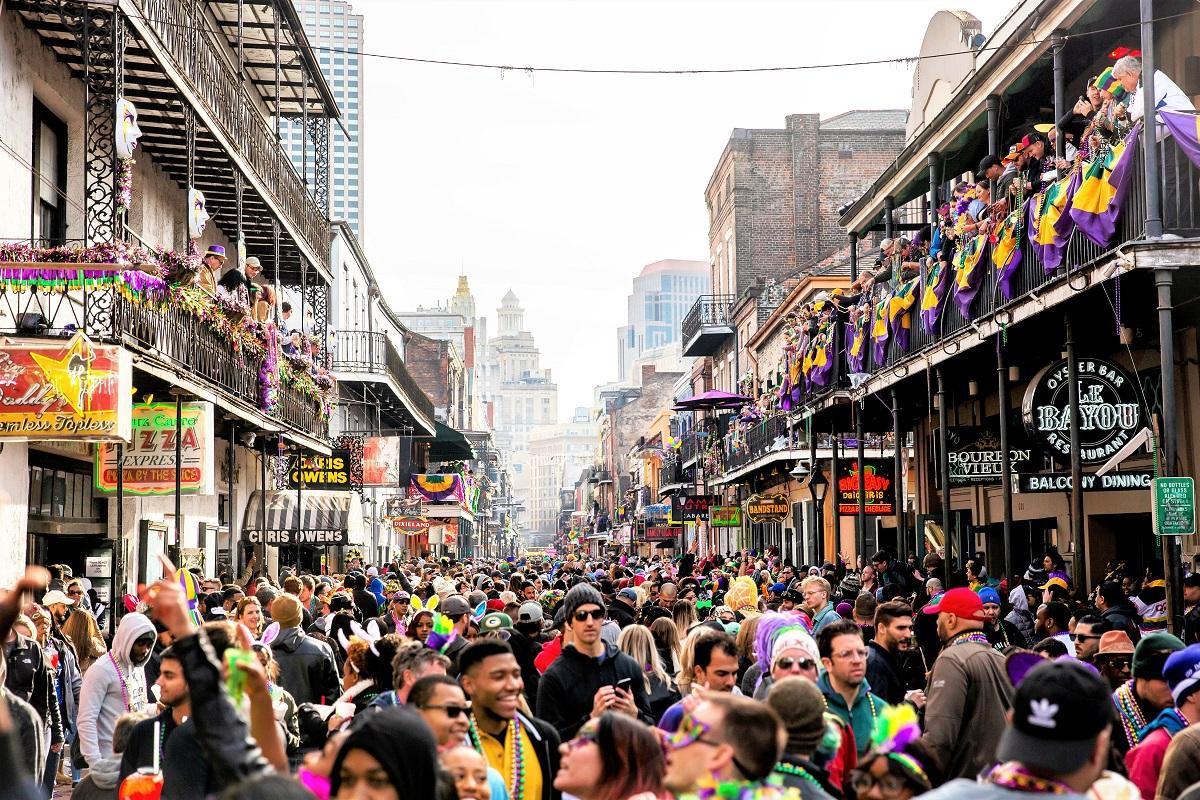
(102, 700)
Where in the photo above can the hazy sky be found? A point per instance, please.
(562, 186)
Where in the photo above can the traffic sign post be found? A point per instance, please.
(1174, 508)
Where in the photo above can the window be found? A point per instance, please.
(50, 183)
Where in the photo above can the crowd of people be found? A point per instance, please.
(622, 678)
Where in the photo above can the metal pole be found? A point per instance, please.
(860, 526)
(889, 210)
(934, 165)
(1076, 462)
(178, 475)
(993, 124)
(944, 470)
(116, 545)
(1058, 46)
(853, 255)
(278, 65)
(901, 520)
(835, 467)
(818, 533)
(1154, 218)
(1172, 568)
(231, 485)
(262, 485)
(299, 504)
(1005, 454)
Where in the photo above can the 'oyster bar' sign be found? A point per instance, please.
(1110, 414)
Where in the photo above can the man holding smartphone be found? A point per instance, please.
(591, 676)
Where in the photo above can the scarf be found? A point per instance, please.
(1169, 719)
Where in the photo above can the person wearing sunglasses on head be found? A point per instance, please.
(726, 746)
(591, 676)
(613, 758)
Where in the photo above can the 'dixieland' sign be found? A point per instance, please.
(1110, 414)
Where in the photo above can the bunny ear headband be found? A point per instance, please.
(479, 612)
(417, 606)
(269, 635)
(370, 634)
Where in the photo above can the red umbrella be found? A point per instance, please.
(714, 398)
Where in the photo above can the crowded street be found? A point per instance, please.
(889, 495)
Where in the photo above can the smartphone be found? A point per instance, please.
(625, 683)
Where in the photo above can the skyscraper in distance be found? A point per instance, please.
(662, 294)
(336, 34)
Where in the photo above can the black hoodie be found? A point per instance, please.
(567, 691)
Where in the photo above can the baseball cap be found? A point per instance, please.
(454, 605)
(397, 596)
(628, 594)
(1059, 582)
(778, 588)
(1182, 672)
(961, 602)
(495, 621)
(530, 611)
(986, 163)
(55, 596)
(1059, 709)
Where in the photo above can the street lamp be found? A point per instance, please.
(818, 486)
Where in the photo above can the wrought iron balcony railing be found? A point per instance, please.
(373, 353)
(768, 436)
(178, 25)
(707, 324)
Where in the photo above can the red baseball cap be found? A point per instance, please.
(961, 602)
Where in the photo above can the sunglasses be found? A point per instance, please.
(802, 663)
(75, 593)
(689, 732)
(890, 785)
(582, 616)
(581, 740)
(452, 710)
(1083, 637)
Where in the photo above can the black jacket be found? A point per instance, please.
(1123, 618)
(306, 667)
(883, 674)
(31, 678)
(621, 613)
(568, 688)
(545, 744)
(223, 736)
(185, 777)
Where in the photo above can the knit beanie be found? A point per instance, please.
(581, 594)
(285, 610)
(793, 638)
(1151, 653)
(799, 703)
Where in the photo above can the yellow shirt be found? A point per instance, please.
(497, 758)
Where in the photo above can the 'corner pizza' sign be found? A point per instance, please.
(1110, 413)
(64, 389)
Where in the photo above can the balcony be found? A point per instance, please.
(769, 436)
(707, 324)
(366, 354)
(1033, 288)
(203, 122)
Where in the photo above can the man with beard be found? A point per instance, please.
(114, 685)
(184, 775)
(1054, 622)
(70, 679)
(1114, 658)
(1088, 631)
(844, 681)
(1140, 700)
(969, 690)
(491, 676)
(890, 652)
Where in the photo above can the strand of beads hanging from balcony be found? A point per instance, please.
(160, 280)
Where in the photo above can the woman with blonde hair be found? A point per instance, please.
(684, 614)
(637, 642)
(746, 646)
(667, 642)
(83, 632)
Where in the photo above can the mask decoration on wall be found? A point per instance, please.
(127, 130)
(197, 213)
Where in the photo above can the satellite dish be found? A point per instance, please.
(977, 41)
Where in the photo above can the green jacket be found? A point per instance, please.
(860, 717)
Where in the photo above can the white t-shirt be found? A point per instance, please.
(1167, 95)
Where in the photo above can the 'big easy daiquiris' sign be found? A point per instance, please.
(1110, 413)
(876, 477)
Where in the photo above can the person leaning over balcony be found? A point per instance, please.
(213, 262)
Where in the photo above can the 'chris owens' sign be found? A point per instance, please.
(290, 537)
(976, 458)
(330, 472)
(1109, 412)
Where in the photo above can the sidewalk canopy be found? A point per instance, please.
(449, 445)
(328, 518)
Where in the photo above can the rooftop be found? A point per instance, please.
(867, 120)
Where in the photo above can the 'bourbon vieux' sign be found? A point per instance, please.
(1110, 413)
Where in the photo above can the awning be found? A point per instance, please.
(449, 445)
(329, 518)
